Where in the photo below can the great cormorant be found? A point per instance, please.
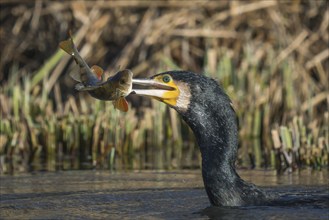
(207, 109)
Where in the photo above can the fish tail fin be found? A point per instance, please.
(121, 104)
(68, 45)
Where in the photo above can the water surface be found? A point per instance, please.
(154, 195)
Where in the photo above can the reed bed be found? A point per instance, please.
(271, 57)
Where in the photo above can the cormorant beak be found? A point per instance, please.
(163, 90)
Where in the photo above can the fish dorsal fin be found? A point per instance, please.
(98, 71)
(75, 75)
(79, 87)
(82, 87)
(121, 104)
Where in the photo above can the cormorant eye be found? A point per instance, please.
(166, 79)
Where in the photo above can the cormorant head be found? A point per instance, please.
(168, 87)
(183, 90)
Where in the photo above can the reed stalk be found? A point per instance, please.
(260, 52)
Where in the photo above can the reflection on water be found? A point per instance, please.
(150, 194)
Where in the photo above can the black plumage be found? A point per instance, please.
(214, 123)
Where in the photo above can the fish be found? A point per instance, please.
(115, 88)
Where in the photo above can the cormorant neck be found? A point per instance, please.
(214, 123)
(216, 131)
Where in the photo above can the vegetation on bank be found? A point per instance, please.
(271, 57)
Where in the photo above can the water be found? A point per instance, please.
(154, 195)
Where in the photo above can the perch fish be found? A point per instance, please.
(115, 88)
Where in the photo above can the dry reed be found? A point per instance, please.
(272, 58)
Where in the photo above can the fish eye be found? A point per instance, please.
(122, 81)
(166, 79)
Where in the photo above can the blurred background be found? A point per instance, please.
(271, 57)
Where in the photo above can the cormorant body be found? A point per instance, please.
(214, 122)
(208, 111)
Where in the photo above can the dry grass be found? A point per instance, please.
(272, 57)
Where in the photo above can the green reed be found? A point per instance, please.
(256, 96)
(85, 133)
